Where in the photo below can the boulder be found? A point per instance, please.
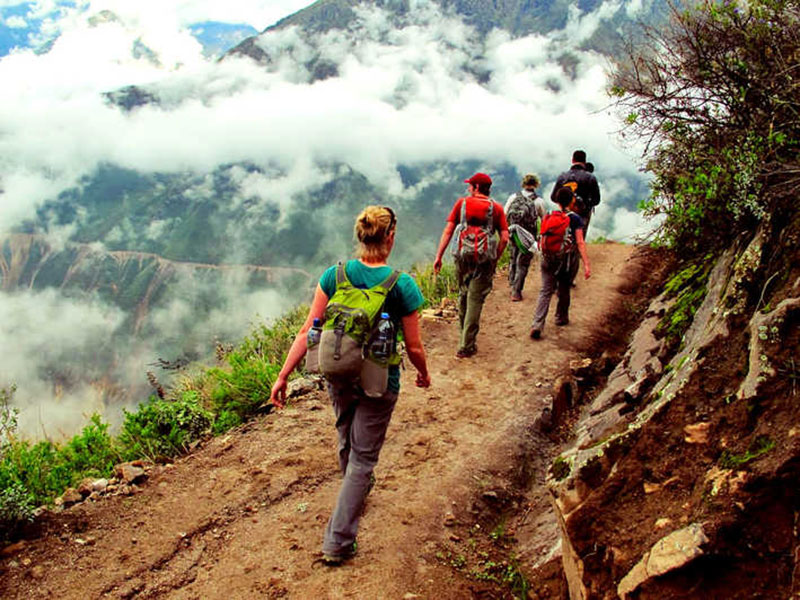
(129, 473)
(85, 487)
(99, 485)
(671, 552)
(71, 496)
(301, 387)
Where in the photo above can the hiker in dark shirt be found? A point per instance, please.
(583, 185)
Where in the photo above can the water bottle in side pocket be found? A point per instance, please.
(312, 347)
(375, 368)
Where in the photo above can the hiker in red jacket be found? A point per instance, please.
(474, 221)
(561, 242)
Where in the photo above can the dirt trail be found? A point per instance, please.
(243, 516)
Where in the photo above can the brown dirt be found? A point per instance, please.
(242, 517)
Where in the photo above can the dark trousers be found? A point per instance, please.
(518, 269)
(556, 279)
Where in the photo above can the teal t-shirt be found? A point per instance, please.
(403, 300)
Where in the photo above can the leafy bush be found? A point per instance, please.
(45, 469)
(435, 288)
(163, 428)
(688, 287)
(16, 507)
(715, 98)
(245, 387)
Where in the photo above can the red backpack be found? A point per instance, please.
(556, 239)
(476, 243)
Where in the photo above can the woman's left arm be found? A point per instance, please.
(298, 349)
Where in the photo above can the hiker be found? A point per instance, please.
(584, 186)
(561, 242)
(361, 421)
(475, 219)
(523, 209)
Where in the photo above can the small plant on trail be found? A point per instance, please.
(760, 446)
(560, 468)
(688, 287)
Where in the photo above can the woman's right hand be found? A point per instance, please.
(423, 381)
(437, 265)
(278, 395)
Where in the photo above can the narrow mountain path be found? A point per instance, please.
(242, 517)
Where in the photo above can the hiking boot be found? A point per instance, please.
(466, 352)
(536, 333)
(516, 297)
(334, 560)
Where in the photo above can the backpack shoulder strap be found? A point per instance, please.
(389, 283)
(341, 276)
(464, 210)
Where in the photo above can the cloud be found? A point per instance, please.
(16, 22)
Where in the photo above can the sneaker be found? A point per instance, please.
(466, 353)
(536, 334)
(516, 297)
(334, 560)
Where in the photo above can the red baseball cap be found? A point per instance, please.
(478, 179)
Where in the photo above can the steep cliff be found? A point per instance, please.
(682, 479)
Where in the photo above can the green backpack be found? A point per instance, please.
(350, 321)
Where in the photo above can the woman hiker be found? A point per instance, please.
(361, 421)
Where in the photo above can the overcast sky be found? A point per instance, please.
(403, 96)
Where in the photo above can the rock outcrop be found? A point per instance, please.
(683, 448)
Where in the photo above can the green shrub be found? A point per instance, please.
(16, 507)
(718, 118)
(45, 469)
(688, 287)
(435, 288)
(270, 342)
(245, 387)
(163, 428)
(225, 420)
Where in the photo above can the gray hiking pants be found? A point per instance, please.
(361, 423)
(474, 284)
(559, 281)
(518, 269)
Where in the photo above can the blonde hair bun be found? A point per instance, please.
(373, 227)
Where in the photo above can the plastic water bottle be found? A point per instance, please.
(312, 347)
(381, 346)
(375, 368)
